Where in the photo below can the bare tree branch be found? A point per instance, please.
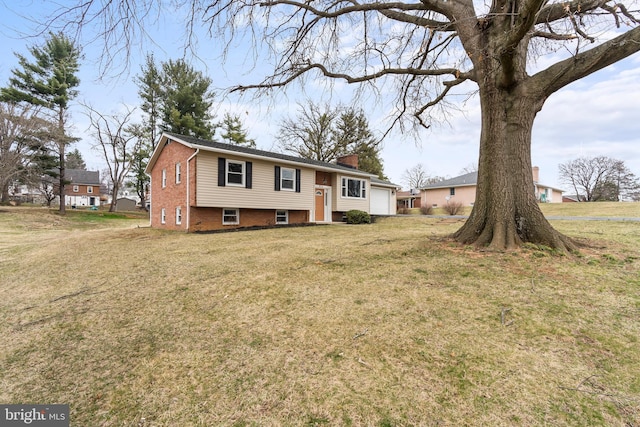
(351, 79)
(117, 141)
(571, 69)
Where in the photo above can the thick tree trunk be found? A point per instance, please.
(506, 213)
(4, 192)
(114, 196)
(61, 179)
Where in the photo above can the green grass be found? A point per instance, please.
(388, 324)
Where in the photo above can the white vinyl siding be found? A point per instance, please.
(262, 194)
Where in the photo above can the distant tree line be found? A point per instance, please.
(601, 178)
(175, 97)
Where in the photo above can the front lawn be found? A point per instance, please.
(388, 324)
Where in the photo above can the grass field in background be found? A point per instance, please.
(388, 324)
(598, 209)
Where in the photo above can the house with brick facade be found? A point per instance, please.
(83, 188)
(462, 189)
(200, 185)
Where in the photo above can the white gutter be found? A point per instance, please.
(150, 197)
(188, 182)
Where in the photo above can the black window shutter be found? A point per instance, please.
(222, 171)
(248, 174)
(297, 180)
(277, 178)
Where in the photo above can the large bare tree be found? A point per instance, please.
(24, 136)
(429, 49)
(416, 177)
(599, 178)
(118, 141)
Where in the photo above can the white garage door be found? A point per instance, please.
(380, 201)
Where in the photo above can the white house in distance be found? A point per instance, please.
(462, 189)
(200, 185)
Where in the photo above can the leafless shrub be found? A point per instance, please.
(453, 207)
(426, 210)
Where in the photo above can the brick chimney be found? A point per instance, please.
(350, 161)
(536, 173)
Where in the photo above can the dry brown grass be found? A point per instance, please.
(388, 324)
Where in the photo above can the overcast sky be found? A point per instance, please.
(599, 115)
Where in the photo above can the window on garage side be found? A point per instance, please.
(354, 188)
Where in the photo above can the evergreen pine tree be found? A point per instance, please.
(49, 80)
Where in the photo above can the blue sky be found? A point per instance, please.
(595, 116)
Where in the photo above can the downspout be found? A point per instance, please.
(150, 201)
(188, 184)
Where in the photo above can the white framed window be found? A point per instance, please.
(288, 179)
(235, 173)
(230, 216)
(164, 178)
(282, 217)
(178, 174)
(163, 216)
(354, 188)
(89, 189)
(76, 188)
(178, 215)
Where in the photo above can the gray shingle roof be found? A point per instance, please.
(269, 154)
(470, 178)
(79, 176)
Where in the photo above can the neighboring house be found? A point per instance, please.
(462, 189)
(545, 193)
(82, 188)
(23, 193)
(572, 198)
(199, 185)
(408, 199)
